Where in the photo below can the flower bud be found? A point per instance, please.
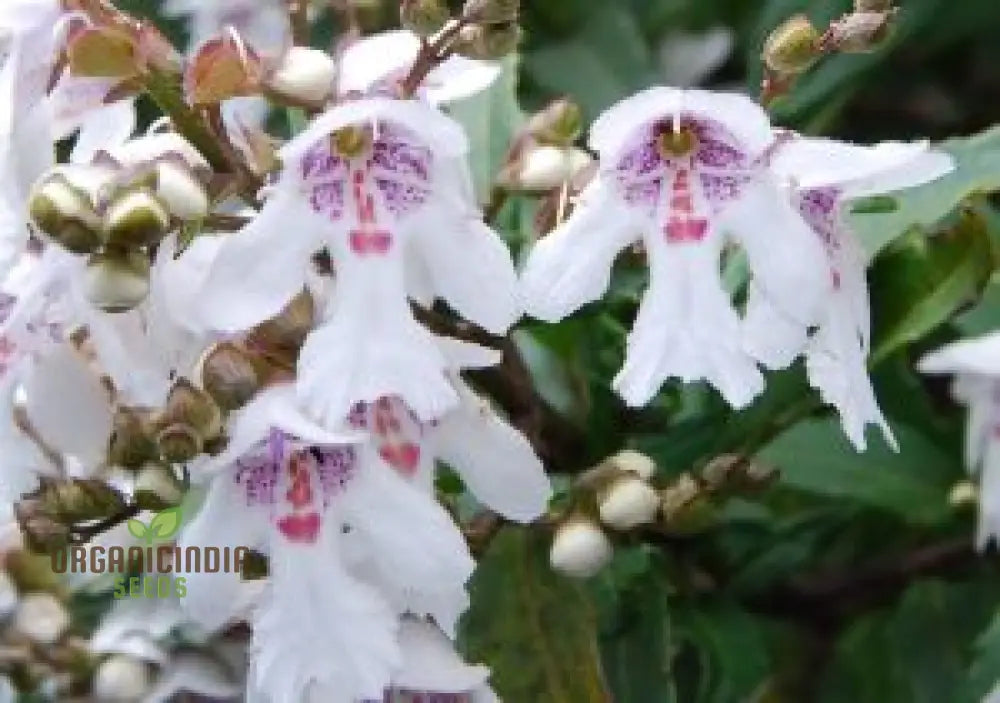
(492, 11)
(580, 548)
(545, 168)
(229, 376)
(962, 494)
(686, 508)
(222, 68)
(8, 594)
(102, 52)
(41, 617)
(635, 462)
(423, 17)
(560, 124)
(793, 47)
(131, 444)
(858, 32)
(65, 214)
(43, 534)
(136, 218)
(628, 502)
(121, 679)
(117, 281)
(181, 191)
(487, 42)
(179, 443)
(192, 406)
(157, 488)
(304, 76)
(287, 332)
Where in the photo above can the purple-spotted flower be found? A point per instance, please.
(823, 177)
(382, 185)
(300, 493)
(686, 172)
(977, 386)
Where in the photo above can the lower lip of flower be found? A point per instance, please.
(300, 528)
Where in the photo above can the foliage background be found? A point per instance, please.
(853, 578)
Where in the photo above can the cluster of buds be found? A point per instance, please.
(796, 45)
(226, 67)
(47, 516)
(626, 500)
(544, 158)
(116, 215)
(486, 29)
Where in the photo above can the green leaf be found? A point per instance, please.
(977, 170)
(137, 528)
(166, 524)
(984, 673)
(916, 653)
(534, 627)
(814, 456)
(637, 636)
(920, 282)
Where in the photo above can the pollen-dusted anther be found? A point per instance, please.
(229, 376)
(66, 214)
(117, 280)
(135, 218)
(304, 75)
(676, 143)
(351, 142)
(793, 47)
(423, 17)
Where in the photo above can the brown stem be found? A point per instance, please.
(298, 18)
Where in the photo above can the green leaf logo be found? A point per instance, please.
(163, 526)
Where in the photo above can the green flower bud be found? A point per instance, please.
(859, 32)
(287, 332)
(131, 444)
(193, 407)
(117, 281)
(686, 508)
(793, 47)
(488, 42)
(66, 215)
(136, 218)
(560, 124)
(423, 17)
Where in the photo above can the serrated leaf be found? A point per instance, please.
(137, 528)
(922, 281)
(535, 628)
(166, 523)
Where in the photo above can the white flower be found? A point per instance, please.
(823, 177)
(393, 198)
(681, 170)
(383, 60)
(977, 386)
(298, 492)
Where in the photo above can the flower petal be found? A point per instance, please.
(980, 355)
(497, 462)
(431, 664)
(571, 266)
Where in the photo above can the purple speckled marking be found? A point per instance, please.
(406, 696)
(259, 470)
(399, 166)
(820, 209)
(720, 163)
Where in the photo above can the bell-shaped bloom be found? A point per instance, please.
(297, 492)
(393, 200)
(976, 363)
(685, 172)
(823, 177)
